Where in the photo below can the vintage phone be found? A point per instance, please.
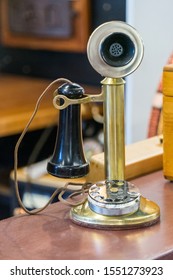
(114, 50)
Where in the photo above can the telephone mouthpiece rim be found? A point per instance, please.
(97, 38)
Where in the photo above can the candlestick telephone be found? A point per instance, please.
(114, 50)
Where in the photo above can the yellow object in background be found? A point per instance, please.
(168, 122)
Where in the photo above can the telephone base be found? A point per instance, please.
(148, 214)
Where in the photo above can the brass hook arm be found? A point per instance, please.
(61, 102)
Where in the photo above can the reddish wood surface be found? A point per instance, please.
(51, 234)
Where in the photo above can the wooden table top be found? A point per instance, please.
(18, 97)
(52, 235)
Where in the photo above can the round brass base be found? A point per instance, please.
(147, 215)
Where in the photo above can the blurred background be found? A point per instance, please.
(46, 39)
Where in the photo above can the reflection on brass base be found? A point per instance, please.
(147, 215)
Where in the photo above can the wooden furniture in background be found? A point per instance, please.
(18, 97)
(141, 158)
(168, 121)
(75, 42)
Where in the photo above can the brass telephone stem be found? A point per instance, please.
(98, 211)
(114, 144)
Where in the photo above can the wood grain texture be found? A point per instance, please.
(168, 121)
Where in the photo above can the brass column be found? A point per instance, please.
(101, 210)
(114, 143)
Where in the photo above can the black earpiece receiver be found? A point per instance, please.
(68, 160)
